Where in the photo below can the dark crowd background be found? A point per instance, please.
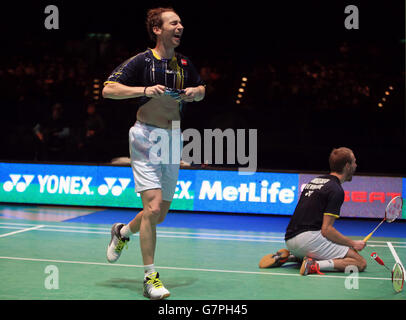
(312, 85)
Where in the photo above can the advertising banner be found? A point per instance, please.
(404, 198)
(196, 190)
(262, 192)
(67, 184)
(110, 186)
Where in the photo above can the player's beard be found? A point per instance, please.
(350, 174)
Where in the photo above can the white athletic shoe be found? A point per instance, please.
(153, 287)
(116, 244)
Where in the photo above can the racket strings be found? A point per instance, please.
(394, 209)
(398, 277)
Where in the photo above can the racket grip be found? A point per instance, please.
(368, 237)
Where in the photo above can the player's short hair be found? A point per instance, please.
(154, 19)
(339, 158)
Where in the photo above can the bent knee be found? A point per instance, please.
(153, 211)
(162, 216)
(362, 265)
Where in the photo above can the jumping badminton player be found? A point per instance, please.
(148, 76)
(310, 234)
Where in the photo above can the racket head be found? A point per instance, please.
(394, 209)
(398, 277)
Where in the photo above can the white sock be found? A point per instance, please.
(148, 269)
(326, 265)
(126, 231)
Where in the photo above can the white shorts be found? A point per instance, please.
(155, 155)
(312, 244)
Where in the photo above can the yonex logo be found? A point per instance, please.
(15, 182)
(116, 190)
(64, 184)
(184, 190)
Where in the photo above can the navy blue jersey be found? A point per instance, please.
(322, 196)
(148, 69)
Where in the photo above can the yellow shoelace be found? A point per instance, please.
(121, 245)
(156, 282)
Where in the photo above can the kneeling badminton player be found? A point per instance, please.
(310, 235)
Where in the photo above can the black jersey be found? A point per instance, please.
(148, 69)
(323, 195)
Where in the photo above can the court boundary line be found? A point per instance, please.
(193, 236)
(107, 230)
(177, 232)
(172, 234)
(394, 253)
(169, 232)
(20, 231)
(344, 276)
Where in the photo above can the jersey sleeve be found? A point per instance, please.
(335, 200)
(193, 77)
(127, 72)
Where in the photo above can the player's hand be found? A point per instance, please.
(359, 245)
(156, 91)
(189, 95)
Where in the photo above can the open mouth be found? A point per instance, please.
(177, 36)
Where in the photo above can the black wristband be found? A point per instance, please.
(145, 91)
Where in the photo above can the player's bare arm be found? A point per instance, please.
(120, 91)
(194, 94)
(328, 231)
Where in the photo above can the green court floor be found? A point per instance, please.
(64, 261)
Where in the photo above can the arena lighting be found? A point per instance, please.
(383, 99)
(391, 88)
(96, 89)
(99, 36)
(380, 105)
(241, 89)
(387, 93)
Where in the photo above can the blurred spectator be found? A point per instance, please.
(91, 140)
(52, 136)
(290, 98)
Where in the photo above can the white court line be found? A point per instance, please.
(162, 235)
(160, 231)
(53, 226)
(394, 254)
(20, 231)
(187, 269)
(180, 235)
(191, 236)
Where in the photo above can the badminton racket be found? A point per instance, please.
(398, 275)
(392, 212)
